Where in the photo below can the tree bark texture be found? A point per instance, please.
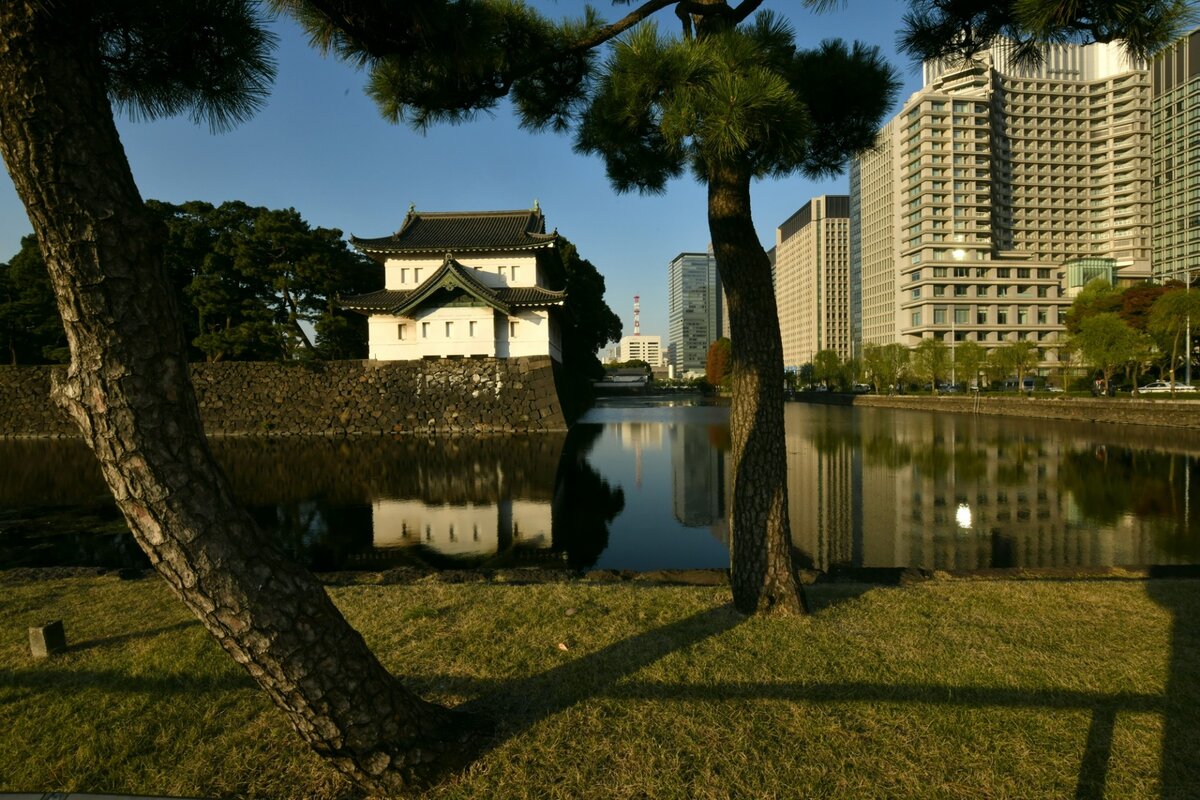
(127, 388)
(762, 571)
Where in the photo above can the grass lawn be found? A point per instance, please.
(973, 689)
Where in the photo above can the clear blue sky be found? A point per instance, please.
(321, 147)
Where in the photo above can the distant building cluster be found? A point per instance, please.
(997, 191)
(992, 197)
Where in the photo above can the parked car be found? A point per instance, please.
(1163, 387)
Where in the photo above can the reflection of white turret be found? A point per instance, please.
(462, 530)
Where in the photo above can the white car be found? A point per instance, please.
(1163, 387)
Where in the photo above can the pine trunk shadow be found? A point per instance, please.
(518, 705)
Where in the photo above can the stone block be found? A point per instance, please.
(46, 640)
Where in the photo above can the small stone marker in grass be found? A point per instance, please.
(47, 639)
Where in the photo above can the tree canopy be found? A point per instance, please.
(245, 277)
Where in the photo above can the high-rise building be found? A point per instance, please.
(1175, 132)
(694, 309)
(812, 280)
(991, 179)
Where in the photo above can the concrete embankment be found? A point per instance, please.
(1122, 411)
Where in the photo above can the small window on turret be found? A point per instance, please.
(401, 332)
(514, 274)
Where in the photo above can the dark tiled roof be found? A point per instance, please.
(453, 275)
(381, 300)
(461, 231)
(530, 296)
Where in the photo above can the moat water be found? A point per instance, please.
(643, 484)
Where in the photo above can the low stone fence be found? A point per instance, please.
(1139, 411)
(436, 396)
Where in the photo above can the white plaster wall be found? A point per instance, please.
(401, 273)
(383, 340)
(533, 335)
(385, 346)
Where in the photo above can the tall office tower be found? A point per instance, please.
(873, 226)
(812, 280)
(1175, 126)
(694, 313)
(995, 178)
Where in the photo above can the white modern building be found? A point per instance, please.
(464, 283)
(988, 183)
(642, 348)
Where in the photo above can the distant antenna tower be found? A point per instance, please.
(637, 316)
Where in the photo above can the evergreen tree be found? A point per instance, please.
(30, 331)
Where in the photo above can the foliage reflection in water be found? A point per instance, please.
(643, 485)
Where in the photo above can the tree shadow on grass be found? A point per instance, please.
(1181, 709)
(59, 680)
(520, 704)
(122, 638)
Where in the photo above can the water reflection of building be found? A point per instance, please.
(881, 488)
(970, 494)
(825, 483)
(470, 529)
(697, 475)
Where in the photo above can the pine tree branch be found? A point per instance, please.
(602, 35)
(745, 9)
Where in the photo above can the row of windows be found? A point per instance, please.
(503, 272)
(1043, 273)
(402, 330)
(962, 316)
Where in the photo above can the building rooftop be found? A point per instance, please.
(463, 231)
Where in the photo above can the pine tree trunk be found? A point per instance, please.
(127, 388)
(763, 575)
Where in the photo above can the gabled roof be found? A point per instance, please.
(463, 231)
(451, 276)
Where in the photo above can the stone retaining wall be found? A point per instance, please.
(442, 396)
(1164, 412)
